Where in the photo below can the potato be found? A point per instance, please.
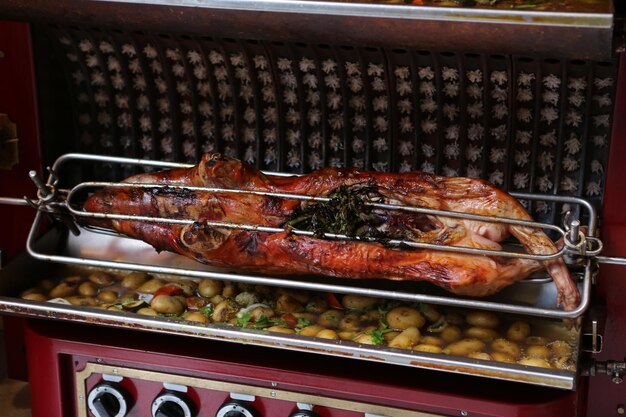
(316, 305)
(401, 318)
(364, 338)
(168, 304)
(258, 313)
(327, 334)
(350, 323)
(47, 284)
(564, 363)
(431, 314)
(536, 341)
(301, 296)
(134, 280)
(482, 319)
(311, 330)
(330, 318)
(538, 362)
(81, 300)
(150, 287)
(455, 319)
(147, 311)
(229, 290)
(480, 355)
(280, 329)
(506, 347)
(346, 335)
(427, 348)
(196, 316)
(101, 278)
(432, 340)
(210, 288)
(358, 302)
(561, 348)
(451, 334)
(73, 279)
(464, 347)
(502, 357)
(537, 351)
(107, 296)
(485, 334)
(34, 296)
(518, 331)
(305, 316)
(225, 311)
(409, 337)
(389, 335)
(285, 303)
(63, 290)
(188, 286)
(87, 288)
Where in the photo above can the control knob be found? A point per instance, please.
(107, 400)
(172, 404)
(304, 413)
(236, 408)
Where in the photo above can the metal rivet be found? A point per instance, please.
(464, 413)
(274, 384)
(99, 360)
(621, 409)
(115, 370)
(272, 394)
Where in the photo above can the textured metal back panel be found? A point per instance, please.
(524, 124)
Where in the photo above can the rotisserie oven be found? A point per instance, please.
(298, 208)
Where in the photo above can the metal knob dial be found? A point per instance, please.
(236, 408)
(171, 404)
(304, 413)
(107, 400)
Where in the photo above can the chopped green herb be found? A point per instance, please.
(303, 322)
(207, 310)
(378, 337)
(244, 319)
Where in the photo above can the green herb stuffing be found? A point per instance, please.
(244, 319)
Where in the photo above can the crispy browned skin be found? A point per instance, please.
(285, 253)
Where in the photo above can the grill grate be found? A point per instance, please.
(525, 124)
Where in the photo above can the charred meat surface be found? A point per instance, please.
(288, 254)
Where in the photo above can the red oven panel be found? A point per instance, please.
(60, 354)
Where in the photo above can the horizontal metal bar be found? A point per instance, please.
(13, 201)
(613, 260)
(262, 280)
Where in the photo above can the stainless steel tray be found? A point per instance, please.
(569, 29)
(25, 272)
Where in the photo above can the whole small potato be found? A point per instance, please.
(229, 290)
(285, 303)
(536, 351)
(483, 333)
(451, 334)
(64, 289)
(464, 347)
(101, 278)
(432, 340)
(197, 317)
(538, 362)
(330, 318)
(389, 335)
(480, 355)
(74, 279)
(430, 312)
(225, 311)
(407, 338)
(404, 317)
(502, 357)
(427, 348)
(210, 288)
(507, 347)
(305, 316)
(35, 296)
(561, 348)
(188, 286)
(87, 288)
(316, 305)
(455, 319)
(134, 280)
(150, 287)
(327, 334)
(81, 300)
(301, 296)
(147, 311)
(259, 312)
(346, 335)
(371, 317)
(168, 304)
(280, 329)
(357, 302)
(482, 319)
(107, 296)
(33, 290)
(350, 323)
(311, 330)
(518, 331)
(536, 341)
(364, 338)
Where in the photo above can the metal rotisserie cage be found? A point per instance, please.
(534, 125)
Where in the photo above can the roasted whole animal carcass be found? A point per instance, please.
(285, 253)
